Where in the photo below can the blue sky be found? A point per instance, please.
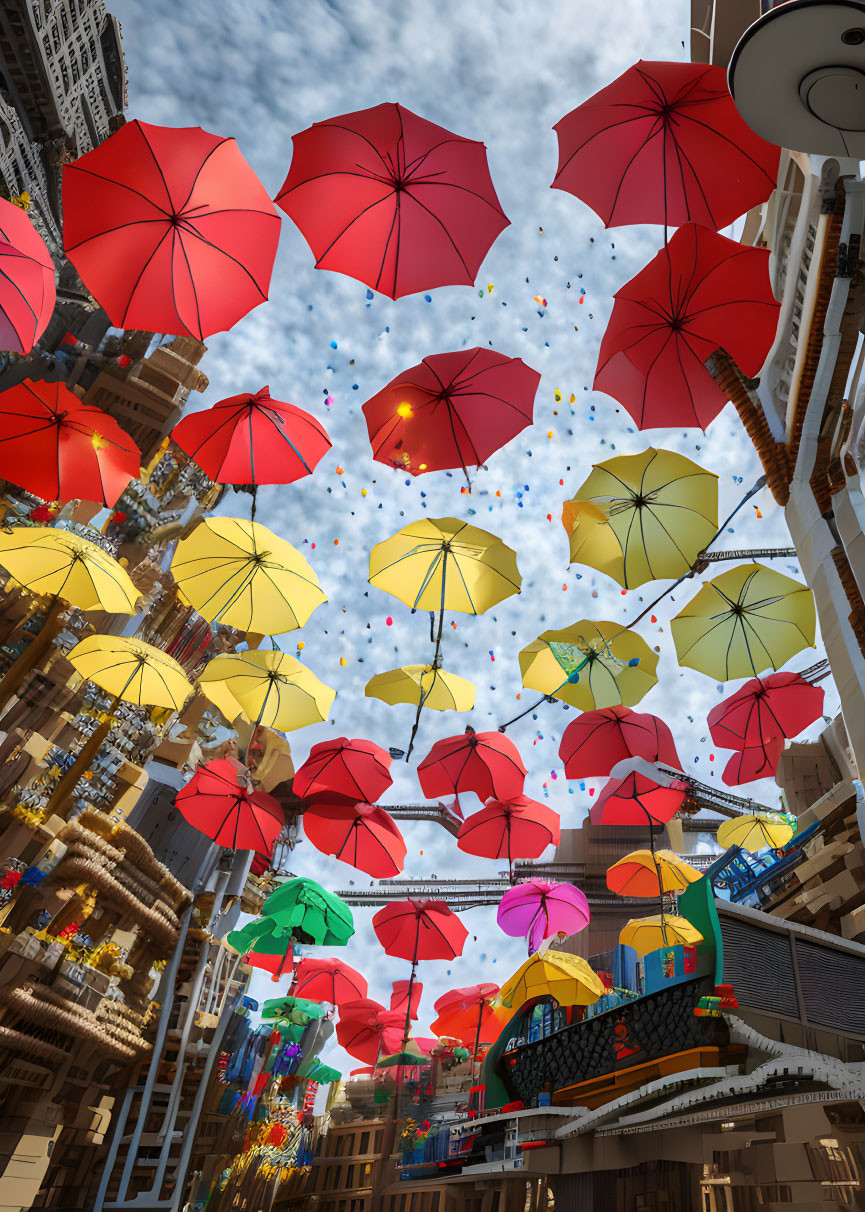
(503, 72)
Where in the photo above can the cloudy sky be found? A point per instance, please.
(504, 72)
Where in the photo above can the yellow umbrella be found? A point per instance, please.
(743, 622)
(445, 564)
(416, 684)
(590, 665)
(754, 831)
(647, 934)
(272, 688)
(238, 572)
(643, 873)
(59, 563)
(558, 974)
(132, 671)
(643, 517)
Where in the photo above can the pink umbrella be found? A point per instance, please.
(540, 908)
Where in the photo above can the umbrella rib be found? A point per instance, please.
(223, 253)
(79, 168)
(222, 142)
(426, 184)
(141, 274)
(349, 225)
(728, 140)
(443, 226)
(140, 130)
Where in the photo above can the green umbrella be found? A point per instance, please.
(319, 1072)
(309, 913)
(410, 1055)
(289, 1007)
(260, 935)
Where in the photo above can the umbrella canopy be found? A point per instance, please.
(764, 709)
(62, 564)
(355, 770)
(644, 873)
(467, 1014)
(414, 1052)
(744, 621)
(219, 806)
(445, 564)
(362, 835)
(405, 997)
(590, 665)
(27, 292)
(253, 439)
(328, 980)
(170, 229)
(642, 517)
(664, 143)
(453, 410)
(557, 974)
(539, 909)
(366, 1030)
(701, 293)
(310, 913)
(424, 685)
(636, 799)
(486, 763)
(755, 831)
(393, 200)
(753, 762)
(272, 688)
(59, 449)
(132, 671)
(596, 741)
(419, 930)
(513, 828)
(296, 1009)
(263, 946)
(240, 573)
(647, 934)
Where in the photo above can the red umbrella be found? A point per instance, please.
(419, 930)
(60, 449)
(701, 293)
(170, 229)
(253, 439)
(466, 1015)
(276, 965)
(215, 803)
(515, 828)
(453, 410)
(392, 200)
(597, 740)
(399, 998)
(486, 763)
(365, 1029)
(754, 762)
(780, 705)
(638, 800)
(328, 980)
(354, 770)
(362, 835)
(664, 143)
(27, 293)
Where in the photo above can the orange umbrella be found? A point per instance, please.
(644, 873)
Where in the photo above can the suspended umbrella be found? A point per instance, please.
(362, 835)
(422, 685)
(58, 448)
(486, 763)
(328, 980)
(598, 740)
(664, 143)
(590, 665)
(746, 620)
(357, 771)
(414, 1052)
(648, 873)
(646, 934)
(643, 517)
(405, 996)
(65, 568)
(469, 1016)
(701, 293)
(27, 292)
(219, 806)
(755, 831)
(557, 974)
(395, 201)
(240, 573)
(311, 914)
(252, 439)
(419, 930)
(453, 410)
(272, 688)
(637, 799)
(296, 1009)
(365, 1029)
(170, 229)
(263, 945)
(538, 909)
(512, 828)
(764, 709)
(753, 762)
